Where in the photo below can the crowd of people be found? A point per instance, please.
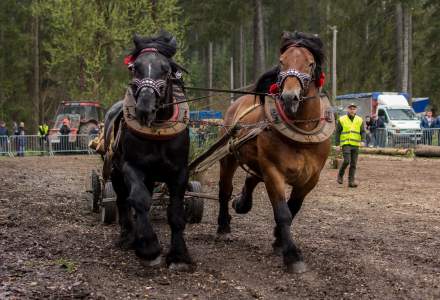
(21, 140)
(376, 133)
(18, 131)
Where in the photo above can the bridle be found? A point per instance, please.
(303, 78)
(157, 85)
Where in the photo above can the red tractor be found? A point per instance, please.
(83, 118)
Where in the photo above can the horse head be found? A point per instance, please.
(299, 67)
(151, 69)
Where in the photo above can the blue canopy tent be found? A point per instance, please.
(419, 104)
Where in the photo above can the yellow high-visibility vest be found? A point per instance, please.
(43, 130)
(351, 131)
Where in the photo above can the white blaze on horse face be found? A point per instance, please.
(149, 70)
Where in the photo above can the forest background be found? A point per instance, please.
(62, 50)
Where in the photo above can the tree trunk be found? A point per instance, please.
(410, 54)
(406, 30)
(154, 10)
(259, 62)
(36, 62)
(241, 57)
(399, 46)
(314, 21)
(210, 72)
(2, 68)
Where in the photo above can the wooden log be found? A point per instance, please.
(427, 151)
(385, 151)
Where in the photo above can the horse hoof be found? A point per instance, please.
(240, 209)
(181, 267)
(278, 251)
(223, 237)
(297, 268)
(153, 263)
(125, 244)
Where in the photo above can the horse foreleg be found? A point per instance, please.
(178, 257)
(244, 204)
(127, 235)
(294, 204)
(275, 186)
(140, 199)
(228, 166)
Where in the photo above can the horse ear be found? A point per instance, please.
(136, 40)
(286, 35)
(173, 42)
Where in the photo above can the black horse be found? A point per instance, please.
(138, 162)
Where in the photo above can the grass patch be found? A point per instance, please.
(68, 265)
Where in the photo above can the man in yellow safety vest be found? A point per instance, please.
(350, 134)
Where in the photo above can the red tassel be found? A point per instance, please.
(321, 80)
(273, 89)
(128, 59)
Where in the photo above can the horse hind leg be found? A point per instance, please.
(243, 204)
(228, 166)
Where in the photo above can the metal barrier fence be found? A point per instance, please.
(70, 144)
(5, 146)
(384, 138)
(21, 145)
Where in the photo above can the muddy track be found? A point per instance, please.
(380, 240)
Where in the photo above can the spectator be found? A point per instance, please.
(380, 131)
(370, 128)
(3, 138)
(21, 139)
(43, 132)
(64, 132)
(436, 127)
(427, 124)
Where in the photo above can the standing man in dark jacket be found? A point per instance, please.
(20, 139)
(350, 134)
(64, 131)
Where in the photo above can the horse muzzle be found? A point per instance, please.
(146, 106)
(291, 101)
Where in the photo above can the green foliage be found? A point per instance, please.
(82, 45)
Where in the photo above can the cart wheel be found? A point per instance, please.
(108, 214)
(108, 207)
(109, 192)
(194, 206)
(96, 192)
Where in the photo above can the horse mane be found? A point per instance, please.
(266, 80)
(164, 42)
(309, 41)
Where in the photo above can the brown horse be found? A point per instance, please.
(271, 157)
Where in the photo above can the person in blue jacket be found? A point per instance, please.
(427, 124)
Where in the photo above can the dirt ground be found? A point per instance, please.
(381, 240)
